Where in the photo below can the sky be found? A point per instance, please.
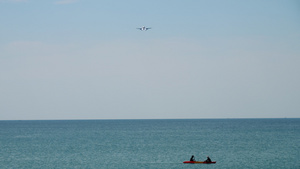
(85, 59)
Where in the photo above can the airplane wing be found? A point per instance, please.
(142, 28)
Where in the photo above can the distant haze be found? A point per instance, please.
(80, 59)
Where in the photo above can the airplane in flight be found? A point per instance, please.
(143, 28)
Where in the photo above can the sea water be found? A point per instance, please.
(157, 144)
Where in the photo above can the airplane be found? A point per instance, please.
(143, 28)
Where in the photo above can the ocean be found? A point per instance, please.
(157, 144)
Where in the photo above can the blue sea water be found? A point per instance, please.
(157, 144)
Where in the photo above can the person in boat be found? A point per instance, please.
(192, 158)
(208, 160)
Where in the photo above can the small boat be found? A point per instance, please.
(199, 162)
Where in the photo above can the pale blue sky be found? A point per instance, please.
(85, 59)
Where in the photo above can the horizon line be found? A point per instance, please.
(231, 118)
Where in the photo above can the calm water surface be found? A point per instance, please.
(157, 144)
